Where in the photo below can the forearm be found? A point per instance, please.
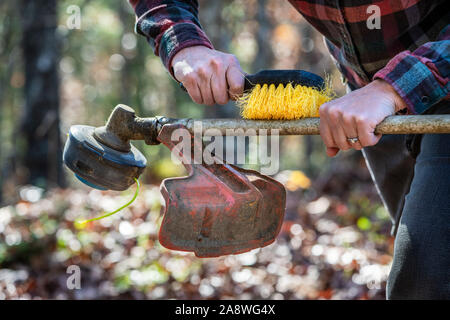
(421, 77)
(169, 26)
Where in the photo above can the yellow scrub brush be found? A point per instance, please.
(283, 95)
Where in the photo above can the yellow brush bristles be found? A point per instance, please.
(268, 102)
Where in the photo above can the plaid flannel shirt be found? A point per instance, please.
(410, 50)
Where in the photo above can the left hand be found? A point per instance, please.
(356, 115)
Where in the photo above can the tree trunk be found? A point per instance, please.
(40, 125)
(265, 58)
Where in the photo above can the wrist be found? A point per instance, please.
(392, 94)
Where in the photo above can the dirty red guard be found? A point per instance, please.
(218, 209)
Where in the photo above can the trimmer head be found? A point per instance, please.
(98, 165)
(219, 209)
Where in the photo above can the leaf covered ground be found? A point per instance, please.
(334, 244)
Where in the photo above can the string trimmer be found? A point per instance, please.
(217, 209)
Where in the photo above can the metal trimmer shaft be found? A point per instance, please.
(127, 126)
(310, 126)
(104, 157)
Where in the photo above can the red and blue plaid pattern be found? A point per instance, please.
(411, 50)
(169, 26)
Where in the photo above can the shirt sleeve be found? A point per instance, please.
(421, 77)
(169, 26)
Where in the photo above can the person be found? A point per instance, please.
(400, 63)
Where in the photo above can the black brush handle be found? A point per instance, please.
(276, 77)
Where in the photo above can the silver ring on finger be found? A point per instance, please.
(353, 140)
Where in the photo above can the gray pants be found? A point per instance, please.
(412, 176)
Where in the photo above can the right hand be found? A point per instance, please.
(208, 75)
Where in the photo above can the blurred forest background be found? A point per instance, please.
(334, 243)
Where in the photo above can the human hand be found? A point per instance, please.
(356, 115)
(209, 76)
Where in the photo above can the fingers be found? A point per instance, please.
(204, 83)
(337, 125)
(193, 90)
(198, 85)
(197, 93)
(340, 138)
(355, 115)
(210, 77)
(325, 132)
(334, 121)
(186, 75)
(348, 124)
(219, 83)
(366, 128)
(235, 80)
(331, 152)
